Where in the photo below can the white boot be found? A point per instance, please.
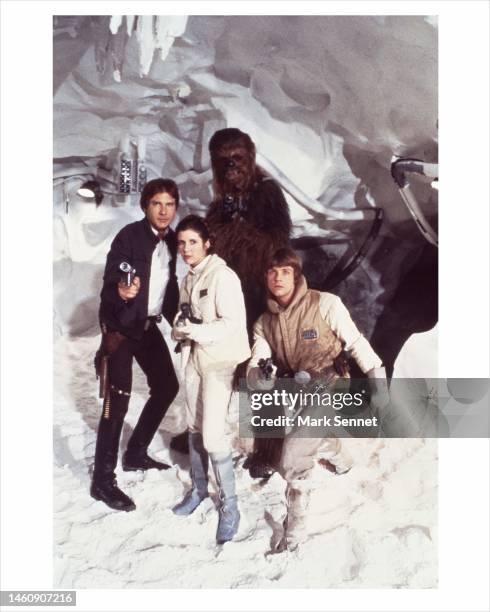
(229, 517)
(297, 501)
(199, 475)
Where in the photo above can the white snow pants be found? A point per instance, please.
(300, 468)
(300, 455)
(208, 398)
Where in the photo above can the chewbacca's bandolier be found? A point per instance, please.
(247, 238)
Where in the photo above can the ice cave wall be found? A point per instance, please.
(328, 99)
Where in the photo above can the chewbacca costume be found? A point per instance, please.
(249, 220)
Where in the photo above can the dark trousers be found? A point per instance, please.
(152, 355)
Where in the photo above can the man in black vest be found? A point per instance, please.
(129, 315)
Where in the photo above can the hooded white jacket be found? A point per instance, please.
(215, 294)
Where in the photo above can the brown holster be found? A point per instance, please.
(101, 364)
(109, 343)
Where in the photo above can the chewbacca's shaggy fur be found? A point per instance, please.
(247, 240)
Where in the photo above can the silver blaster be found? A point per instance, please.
(129, 273)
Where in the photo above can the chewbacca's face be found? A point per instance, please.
(234, 167)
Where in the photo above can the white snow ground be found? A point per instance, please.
(373, 527)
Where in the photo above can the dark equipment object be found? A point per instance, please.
(125, 175)
(340, 272)
(186, 315)
(109, 343)
(266, 368)
(337, 275)
(402, 166)
(267, 454)
(267, 451)
(180, 443)
(234, 204)
(129, 273)
(101, 363)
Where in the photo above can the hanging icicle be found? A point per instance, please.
(167, 29)
(153, 33)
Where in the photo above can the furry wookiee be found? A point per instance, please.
(249, 220)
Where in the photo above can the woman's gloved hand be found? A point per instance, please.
(196, 332)
(177, 332)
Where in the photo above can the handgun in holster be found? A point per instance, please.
(111, 340)
(101, 364)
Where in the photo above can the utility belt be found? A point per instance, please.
(338, 369)
(328, 374)
(152, 320)
(111, 339)
(146, 325)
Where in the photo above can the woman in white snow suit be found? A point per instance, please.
(213, 336)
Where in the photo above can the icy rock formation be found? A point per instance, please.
(328, 100)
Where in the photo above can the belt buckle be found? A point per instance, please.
(150, 320)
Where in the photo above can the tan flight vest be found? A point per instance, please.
(298, 335)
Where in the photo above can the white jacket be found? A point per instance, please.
(215, 294)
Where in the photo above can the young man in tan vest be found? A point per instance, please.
(304, 330)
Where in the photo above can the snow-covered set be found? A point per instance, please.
(330, 102)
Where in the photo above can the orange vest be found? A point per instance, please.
(298, 335)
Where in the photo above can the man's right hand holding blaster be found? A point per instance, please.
(262, 377)
(127, 289)
(129, 285)
(128, 293)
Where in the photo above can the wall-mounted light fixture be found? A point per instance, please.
(91, 190)
(131, 175)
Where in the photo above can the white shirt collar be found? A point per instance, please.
(200, 266)
(157, 233)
